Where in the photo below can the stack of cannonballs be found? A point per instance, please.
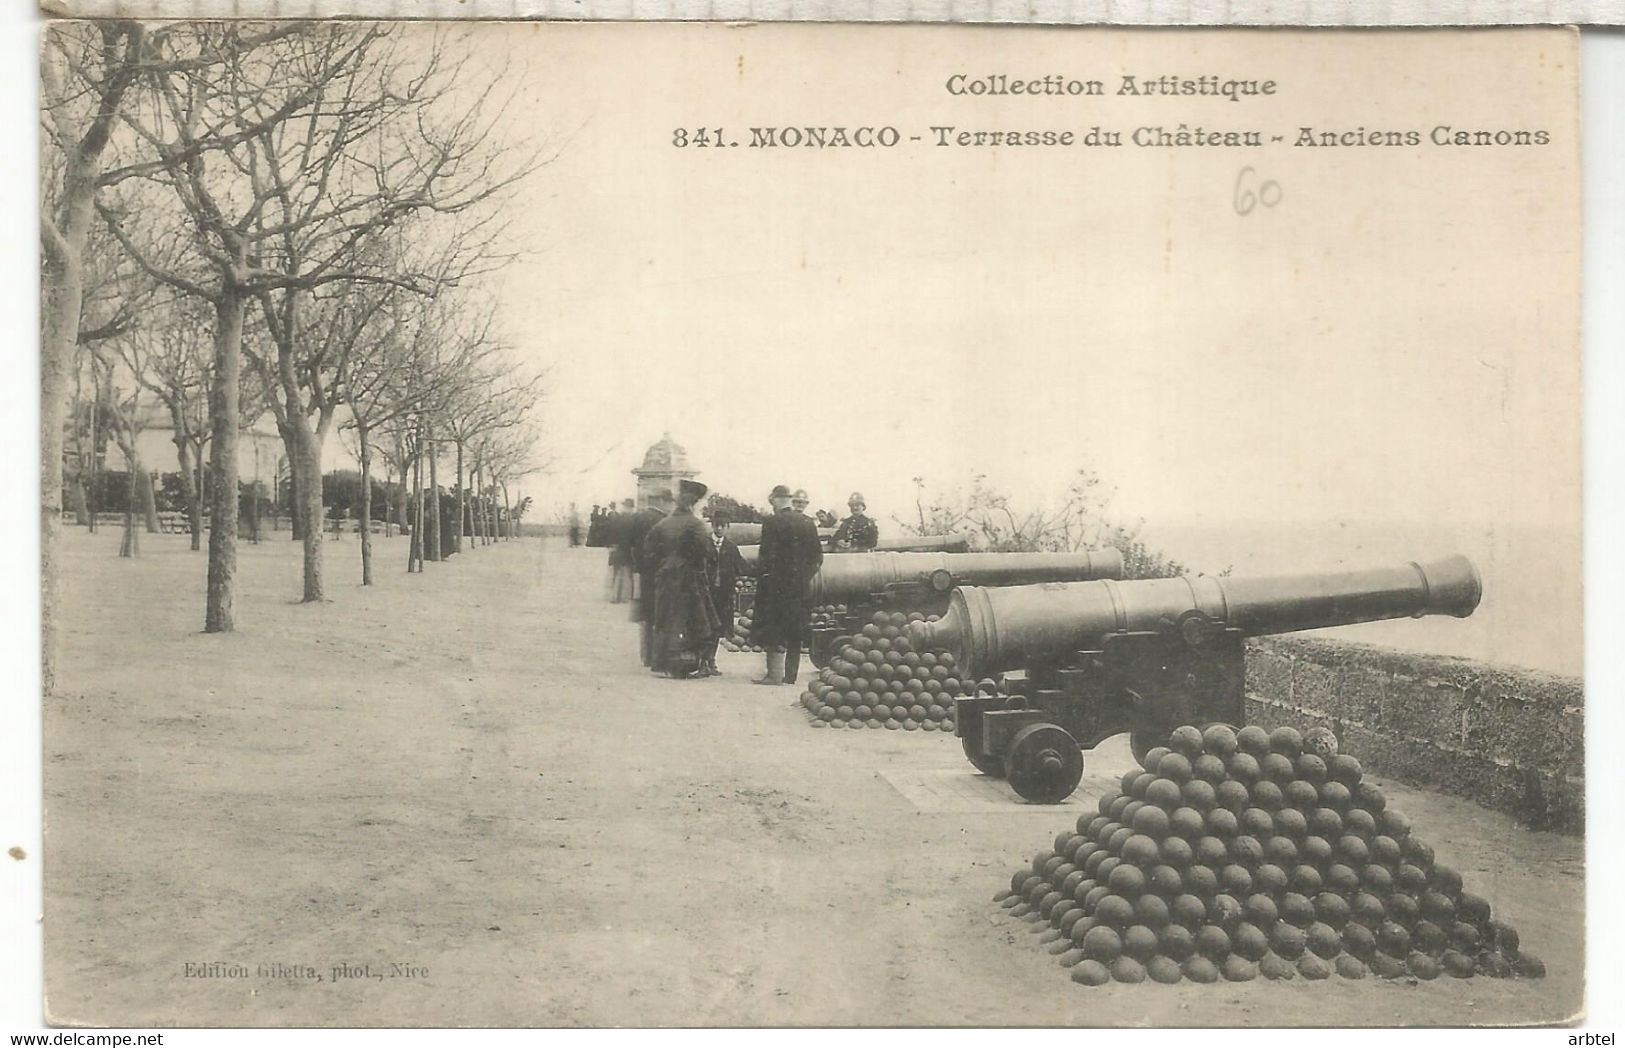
(877, 680)
(1239, 854)
(827, 616)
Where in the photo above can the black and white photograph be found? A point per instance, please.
(760, 525)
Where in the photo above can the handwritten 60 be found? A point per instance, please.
(1250, 192)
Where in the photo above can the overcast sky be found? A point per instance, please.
(1391, 348)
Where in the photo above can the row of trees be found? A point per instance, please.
(287, 221)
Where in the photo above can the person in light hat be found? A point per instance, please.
(685, 623)
(786, 560)
(799, 501)
(858, 532)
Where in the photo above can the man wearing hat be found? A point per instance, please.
(786, 560)
(685, 623)
(620, 555)
(723, 567)
(857, 532)
(643, 572)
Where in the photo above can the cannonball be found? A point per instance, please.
(1323, 940)
(1334, 795)
(1301, 794)
(1353, 850)
(1465, 937)
(1176, 941)
(1070, 919)
(1394, 823)
(1126, 880)
(1186, 822)
(1457, 964)
(1091, 973)
(1096, 895)
(1164, 880)
(844, 713)
(1342, 878)
(1306, 879)
(1154, 756)
(1176, 852)
(1474, 909)
(1281, 851)
(1237, 968)
(1243, 768)
(1174, 766)
(1102, 943)
(1494, 965)
(1367, 909)
(1296, 909)
(1260, 911)
(1199, 969)
(1350, 967)
(1213, 943)
(1270, 878)
(1209, 768)
(1140, 850)
(1429, 937)
(1369, 797)
(1113, 911)
(1528, 966)
(863, 712)
(1151, 911)
(1360, 823)
(1326, 823)
(1266, 795)
(1286, 741)
(1236, 880)
(1163, 970)
(1186, 739)
(1254, 740)
(1219, 740)
(1151, 821)
(1053, 863)
(1277, 768)
(1105, 867)
(1313, 967)
(1256, 823)
(1316, 849)
(1225, 911)
(1127, 970)
(1201, 881)
(1198, 795)
(1418, 854)
(1386, 850)
(1231, 796)
(1211, 850)
(1245, 850)
(1410, 878)
(1386, 967)
(1291, 823)
(882, 712)
(1277, 968)
(1164, 794)
(1344, 768)
(1331, 909)
(1085, 888)
(1504, 937)
(1404, 908)
(1139, 942)
(1421, 965)
(1140, 784)
(1188, 910)
(1310, 768)
(1321, 742)
(1046, 905)
(857, 723)
(1222, 822)
(1393, 939)
(1376, 878)
(1439, 908)
(1359, 940)
(1289, 940)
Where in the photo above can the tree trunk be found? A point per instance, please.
(76, 492)
(432, 539)
(131, 545)
(507, 514)
(149, 503)
(308, 507)
(197, 501)
(366, 501)
(290, 445)
(194, 506)
(414, 554)
(462, 502)
(223, 419)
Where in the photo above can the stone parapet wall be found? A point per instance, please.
(1510, 739)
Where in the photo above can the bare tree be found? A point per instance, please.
(286, 150)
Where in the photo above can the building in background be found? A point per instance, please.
(665, 464)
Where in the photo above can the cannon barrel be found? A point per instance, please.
(910, 544)
(855, 576)
(993, 630)
(742, 534)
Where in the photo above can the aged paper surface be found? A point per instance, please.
(1299, 301)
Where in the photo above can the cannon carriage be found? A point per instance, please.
(1106, 657)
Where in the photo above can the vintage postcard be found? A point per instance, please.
(583, 525)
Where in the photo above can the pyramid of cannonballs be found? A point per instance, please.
(877, 680)
(1245, 854)
(823, 616)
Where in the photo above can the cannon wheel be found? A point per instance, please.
(992, 766)
(1044, 763)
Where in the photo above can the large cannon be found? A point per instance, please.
(742, 534)
(875, 576)
(1146, 656)
(905, 544)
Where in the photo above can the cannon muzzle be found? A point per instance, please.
(845, 578)
(993, 630)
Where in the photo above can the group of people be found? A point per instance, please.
(680, 577)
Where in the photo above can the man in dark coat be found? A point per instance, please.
(685, 623)
(723, 567)
(788, 557)
(620, 557)
(857, 533)
(642, 576)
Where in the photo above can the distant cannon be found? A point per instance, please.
(1146, 656)
(869, 577)
(743, 535)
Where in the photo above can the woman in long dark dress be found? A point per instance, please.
(685, 622)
